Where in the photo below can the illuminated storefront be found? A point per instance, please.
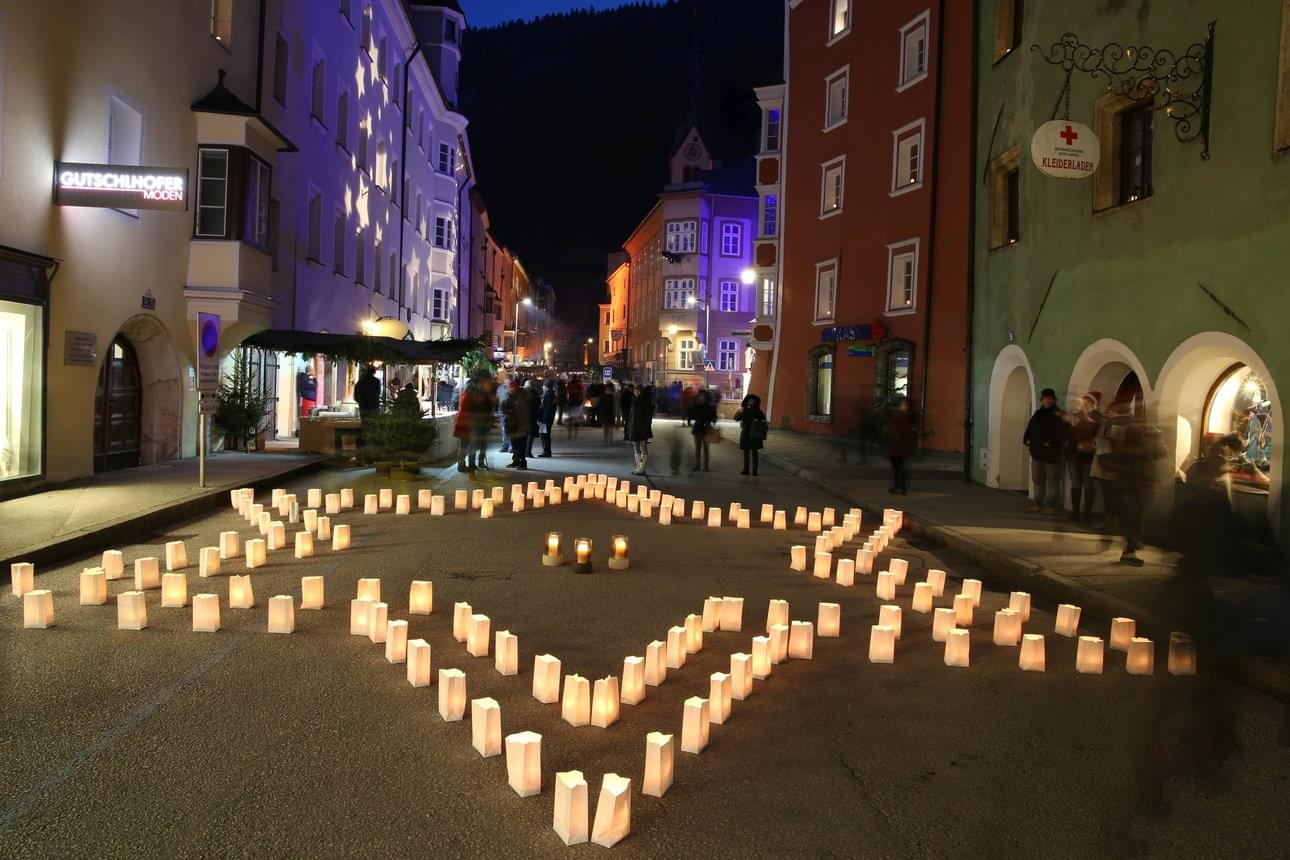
(24, 295)
(1240, 404)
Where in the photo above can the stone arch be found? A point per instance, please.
(1012, 399)
(1103, 366)
(163, 393)
(1183, 388)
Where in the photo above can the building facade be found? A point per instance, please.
(766, 257)
(690, 290)
(1154, 281)
(873, 226)
(613, 314)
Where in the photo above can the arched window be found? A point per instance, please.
(819, 383)
(1239, 404)
(895, 370)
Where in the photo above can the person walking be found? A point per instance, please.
(752, 430)
(573, 418)
(535, 409)
(626, 400)
(1126, 450)
(703, 417)
(561, 399)
(367, 393)
(902, 441)
(547, 415)
(605, 411)
(483, 405)
(640, 427)
(518, 418)
(1046, 438)
(1080, 439)
(503, 394)
(687, 403)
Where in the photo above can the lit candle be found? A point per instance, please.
(524, 763)
(425, 498)
(282, 614)
(176, 555)
(693, 634)
(582, 555)
(1032, 653)
(461, 620)
(1122, 632)
(332, 503)
(801, 641)
(779, 636)
(403, 505)
(1141, 657)
(886, 587)
(1020, 601)
(889, 616)
(744, 519)
(93, 587)
(113, 561)
(147, 574)
(174, 590)
(797, 558)
(646, 509)
(324, 529)
(369, 589)
(304, 545)
(655, 663)
(604, 702)
(476, 499)
(340, 537)
(377, 622)
(767, 513)
(813, 522)
(553, 555)
(1182, 654)
(823, 565)
(695, 725)
(776, 613)
(358, 616)
(1067, 620)
(618, 560)
(761, 662)
(419, 663)
(277, 537)
(781, 521)
(828, 517)
(312, 590)
(732, 614)
(310, 520)
(486, 727)
(864, 560)
(506, 647)
(346, 498)
(452, 695)
(396, 641)
(460, 500)
(633, 688)
(665, 515)
(958, 647)
(205, 613)
(1088, 656)
(517, 505)
(800, 516)
(478, 635)
(1007, 628)
(658, 764)
(697, 509)
(240, 593)
(678, 509)
(436, 506)
(943, 621)
(741, 677)
(370, 504)
(963, 607)
(882, 644)
(38, 609)
(546, 679)
(829, 620)
(575, 707)
(675, 647)
(719, 697)
(131, 611)
(486, 509)
(922, 601)
(208, 561)
(633, 504)
(421, 597)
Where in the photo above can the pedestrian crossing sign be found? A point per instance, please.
(709, 366)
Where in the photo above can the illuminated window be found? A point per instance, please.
(732, 239)
(21, 384)
(1239, 405)
(443, 232)
(832, 180)
(902, 276)
(439, 304)
(770, 215)
(913, 51)
(766, 299)
(678, 293)
(839, 18)
(907, 158)
(222, 21)
(819, 383)
(727, 355)
(728, 296)
(681, 237)
(826, 285)
(686, 348)
(835, 109)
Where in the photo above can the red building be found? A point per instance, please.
(875, 215)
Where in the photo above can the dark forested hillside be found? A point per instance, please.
(572, 117)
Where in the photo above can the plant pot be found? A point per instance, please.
(383, 470)
(405, 471)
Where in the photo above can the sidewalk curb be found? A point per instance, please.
(1016, 573)
(131, 528)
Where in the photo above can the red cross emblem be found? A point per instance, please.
(1069, 135)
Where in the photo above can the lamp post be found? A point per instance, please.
(707, 326)
(515, 349)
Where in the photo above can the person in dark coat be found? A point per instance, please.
(518, 417)
(704, 417)
(626, 399)
(606, 409)
(640, 427)
(1046, 438)
(561, 400)
(367, 393)
(535, 409)
(902, 440)
(752, 430)
(547, 415)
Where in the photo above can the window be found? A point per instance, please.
(1281, 125)
(342, 121)
(439, 304)
(449, 30)
(222, 21)
(376, 266)
(381, 175)
(826, 285)
(686, 347)
(728, 296)
(766, 299)
(314, 250)
(732, 239)
(770, 215)
(318, 95)
(1135, 153)
(727, 355)
(1008, 15)
(212, 193)
(1239, 403)
(340, 235)
(678, 293)
(772, 130)
(382, 59)
(680, 237)
(360, 257)
(835, 108)
(22, 357)
(907, 158)
(913, 51)
(832, 179)
(443, 232)
(255, 215)
(840, 18)
(445, 158)
(281, 65)
(394, 282)
(819, 383)
(363, 138)
(902, 276)
(365, 31)
(894, 371)
(1005, 199)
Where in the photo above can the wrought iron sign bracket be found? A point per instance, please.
(1181, 85)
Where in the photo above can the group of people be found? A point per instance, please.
(1113, 451)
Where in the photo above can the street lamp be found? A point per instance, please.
(515, 351)
(748, 276)
(707, 326)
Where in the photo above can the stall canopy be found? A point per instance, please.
(359, 347)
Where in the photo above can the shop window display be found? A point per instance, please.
(21, 374)
(1239, 404)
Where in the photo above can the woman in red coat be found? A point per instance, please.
(902, 441)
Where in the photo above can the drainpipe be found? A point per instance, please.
(932, 212)
(259, 56)
(971, 256)
(781, 244)
(403, 165)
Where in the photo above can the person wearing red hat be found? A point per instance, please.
(1084, 421)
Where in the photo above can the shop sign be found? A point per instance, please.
(120, 186)
(207, 352)
(741, 332)
(1065, 149)
(207, 402)
(861, 349)
(80, 347)
(842, 333)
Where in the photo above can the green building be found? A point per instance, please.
(1165, 276)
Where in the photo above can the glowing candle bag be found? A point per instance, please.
(613, 811)
(571, 809)
(695, 725)
(659, 759)
(452, 694)
(524, 763)
(486, 727)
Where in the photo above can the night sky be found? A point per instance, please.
(484, 13)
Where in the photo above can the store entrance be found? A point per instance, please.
(117, 410)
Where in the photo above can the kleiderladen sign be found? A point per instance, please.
(120, 186)
(1065, 149)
